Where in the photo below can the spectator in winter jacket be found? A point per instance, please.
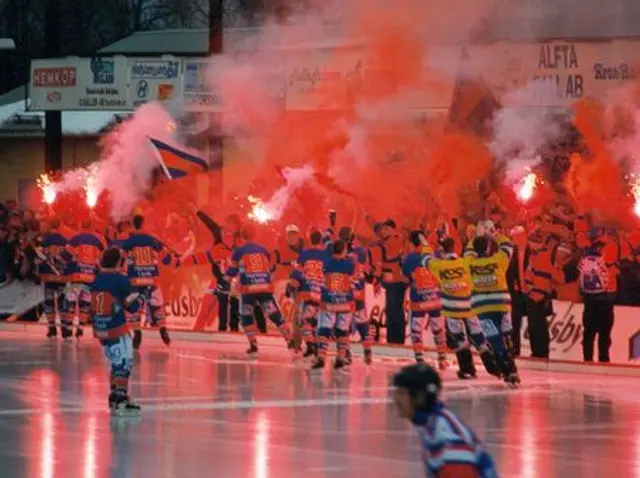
(598, 280)
(541, 276)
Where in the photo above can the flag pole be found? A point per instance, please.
(159, 159)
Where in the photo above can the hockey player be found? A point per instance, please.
(122, 233)
(285, 255)
(386, 256)
(111, 295)
(51, 269)
(449, 447)
(424, 301)
(252, 263)
(306, 281)
(288, 250)
(85, 249)
(337, 306)
(219, 290)
(490, 299)
(454, 277)
(361, 322)
(145, 252)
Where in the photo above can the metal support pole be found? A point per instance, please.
(53, 119)
(216, 14)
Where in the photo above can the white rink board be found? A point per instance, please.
(565, 325)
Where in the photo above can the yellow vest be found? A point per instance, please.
(454, 278)
(489, 280)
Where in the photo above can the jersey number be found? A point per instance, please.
(256, 263)
(143, 256)
(313, 270)
(87, 254)
(424, 279)
(102, 303)
(338, 283)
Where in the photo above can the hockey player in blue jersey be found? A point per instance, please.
(123, 231)
(252, 263)
(337, 306)
(51, 269)
(85, 249)
(111, 295)
(145, 252)
(361, 323)
(450, 449)
(307, 280)
(424, 301)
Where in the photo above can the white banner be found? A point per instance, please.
(196, 89)
(564, 72)
(322, 79)
(79, 84)
(18, 297)
(196, 310)
(153, 79)
(247, 79)
(567, 331)
(325, 79)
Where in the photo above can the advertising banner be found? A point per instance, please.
(193, 307)
(153, 79)
(196, 89)
(555, 74)
(566, 331)
(248, 79)
(18, 297)
(79, 84)
(322, 78)
(549, 74)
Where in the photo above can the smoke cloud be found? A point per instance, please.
(376, 98)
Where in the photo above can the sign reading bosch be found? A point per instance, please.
(152, 79)
(78, 84)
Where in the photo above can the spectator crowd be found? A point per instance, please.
(563, 233)
(19, 232)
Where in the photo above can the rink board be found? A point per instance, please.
(186, 312)
(382, 352)
(190, 307)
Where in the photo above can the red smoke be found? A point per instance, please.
(354, 110)
(354, 120)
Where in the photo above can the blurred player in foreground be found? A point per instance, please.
(450, 448)
(111, 295)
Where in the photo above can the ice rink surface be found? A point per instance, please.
(210, 412)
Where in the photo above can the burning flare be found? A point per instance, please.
(259, 212)
(635, 190)
(48, 188)
(91, 192)
(528, 186)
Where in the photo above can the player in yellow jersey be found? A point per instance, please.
(454, 277)
(490, 299)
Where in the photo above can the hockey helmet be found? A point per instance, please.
(419, 379)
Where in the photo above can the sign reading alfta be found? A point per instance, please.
(558, 65)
